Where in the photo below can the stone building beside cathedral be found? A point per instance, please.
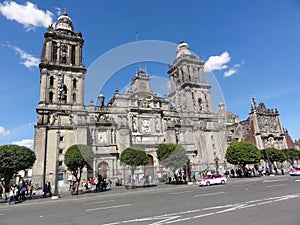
(137, 118)
(262, 128)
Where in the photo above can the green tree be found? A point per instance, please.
(134, 157)
(242, 153)
(13, 158)
(291, 155)
(76, 158)
(172, 156)
(274, 155)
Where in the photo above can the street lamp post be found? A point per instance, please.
(217, 163)
(59, 98)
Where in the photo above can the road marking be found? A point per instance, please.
(216, 193)
(269, 181)
(109, 207)
(297, 180)
(178, 193)
(240, 185)
(100, 202)
(1, 214)
(179, 216)
(277, 185)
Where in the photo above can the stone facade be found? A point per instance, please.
(262, 128)
(136, 118)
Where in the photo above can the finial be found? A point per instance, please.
(181, 42)
(65, 11)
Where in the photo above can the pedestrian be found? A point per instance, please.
(45, 190)
(30, 189)
(194, 176)
(49, 189)
(10, 198)
(282, 170)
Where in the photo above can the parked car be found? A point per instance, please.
(212, 179)
(295, 171)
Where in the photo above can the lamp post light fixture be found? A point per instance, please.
(58, 134)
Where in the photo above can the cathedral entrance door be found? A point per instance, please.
(149, 167)
(102, 169)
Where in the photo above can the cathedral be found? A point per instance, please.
(138, 117)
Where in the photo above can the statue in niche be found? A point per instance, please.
(134, 126)
(52, 119)
(157, 127)
(146, 126)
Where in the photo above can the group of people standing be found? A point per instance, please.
(18, 193)
(98, 184)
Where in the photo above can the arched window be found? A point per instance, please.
(51, 81)
(50, 97)
(64, 94)
(74, 83)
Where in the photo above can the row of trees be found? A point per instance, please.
(243, 153)
(14, 158)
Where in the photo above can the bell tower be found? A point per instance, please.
(60, 111)
(62, 57)
(189, 90)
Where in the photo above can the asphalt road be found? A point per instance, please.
(252, 201)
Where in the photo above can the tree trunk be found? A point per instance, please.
(4, 196)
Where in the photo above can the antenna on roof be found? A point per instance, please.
(137, 49)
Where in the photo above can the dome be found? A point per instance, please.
(64, 22)
(183, 49)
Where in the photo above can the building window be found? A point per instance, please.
(50, 97)
(74, 83)
(60, 176)
(51, 83)
(73, 55)
(60, 163)
(61, 138)
(74, 97)
(61, 151)
(54, 52)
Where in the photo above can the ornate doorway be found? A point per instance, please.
(103, 168)
(149, 167)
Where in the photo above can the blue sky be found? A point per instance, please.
(252, 48)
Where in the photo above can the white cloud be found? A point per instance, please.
(217, 62)
(3, 131)
(25, 142)
(28, 15)
(230, 72)
(28, 59)
(58, 11)
(233, 69)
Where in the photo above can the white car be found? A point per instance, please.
(295, 171)
(212, 179)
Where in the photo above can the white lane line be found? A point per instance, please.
(203, 215)
(278, 185)
(178, 193)
(100, 202)
(240, 185)
(109, 207)
(216, 193)
(1, 214)
(178, 220)
(297, 180)
(269, 181)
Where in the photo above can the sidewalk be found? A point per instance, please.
(122, 189)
